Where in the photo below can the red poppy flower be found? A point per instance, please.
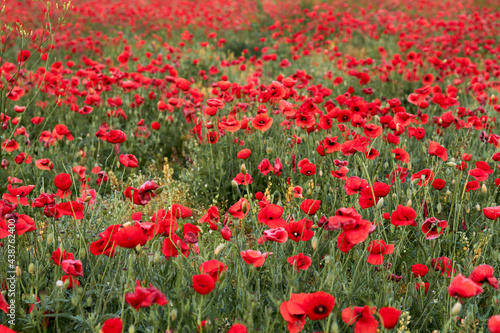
(419, 270)
(308, 169)
(389, 316)
(240, 209)
(63, 183)
(238, 328)
(444, 265)
(278, 167)
(278, 235)
(330, 145)
(243, 179)
(213, 137)
(131, 236)
(18, 195)
(316, 306)
(264, 167)
(10, 145)
(23, 224)
(378, 249)
(262, 122)
(491, 213)
(433, 228)
(44, 164)
(294, 315)
(173, 246)
(58, 257)
(203, 284)
(494, 324)
(181, 212)
(106, 244)
(299, 262)
(478, 174)
(462, 287)
(145, 297)
(438, 184)
(165, 222)
(214, 268)
(362, 317)
(341, 173)
(116, 136)
(72, 281)
(128, 160)
(226, 233)
(355, 229)
(435, 149)
(472, 186)
(482, 274)
(244, 154)
(425, 176)
(113, 325)
(255, 258)
(4, 306)
(310, 206)
(270, 215)
(71, 208)
(23, 55)
(401, 155)
(300, 230)
(355, 185)
(72, 267)
(230, 124)
(372, 131)
(422, 286)
(211, 216)
(404, 215)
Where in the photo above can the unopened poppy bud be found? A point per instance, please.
(409, 203)
(219, 248)
(243, 169)
(234, 184)
(50, 239)
(416, 180)
(451, 164)
(386, 165)
(394, 195)
(88, 198)
(453, 182)
(74, 301)
(157, 257)
(244, 207)
(159, 190)
(82, 254)
(269, 150)
(439, 207)
(478, 208)
(173, 314)
(335, 328)
(330, 279)
(456, 309)
(484, 189)
(59, 284)
(409, 166)
(448, 192)
(18, 271)
(138, 247)
(314, 242)
(89, 301)
(31, 268)
(398, 127)
(380, 203)
(127, 224)
(131, 329)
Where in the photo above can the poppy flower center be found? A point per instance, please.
(320, 309)
(295, 234)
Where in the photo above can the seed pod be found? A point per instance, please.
(244, 207)
(31, 268)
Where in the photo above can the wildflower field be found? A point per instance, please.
(249, 166)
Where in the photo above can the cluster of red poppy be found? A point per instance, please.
(367, 159)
